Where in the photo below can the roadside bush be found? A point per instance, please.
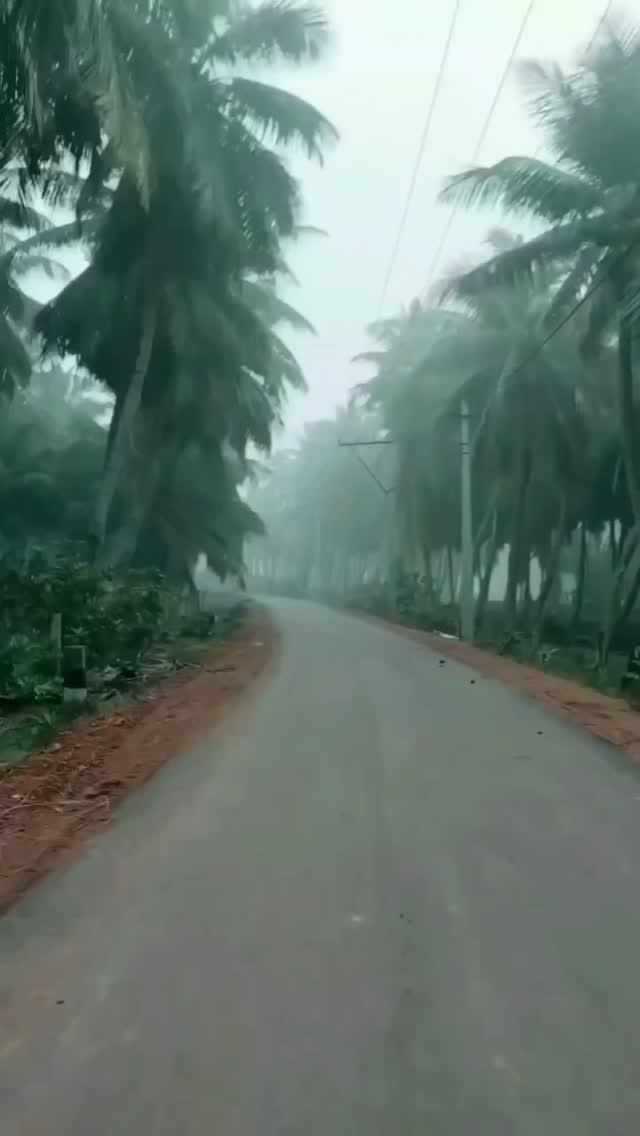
(117, 618)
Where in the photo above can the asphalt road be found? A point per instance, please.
(382, 901)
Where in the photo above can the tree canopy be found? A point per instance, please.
(145, 120)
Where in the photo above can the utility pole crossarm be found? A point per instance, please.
(374, 477)
(377, 442)
(388, 493)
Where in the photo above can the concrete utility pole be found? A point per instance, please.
(467, 604)
(392, 542)
(466, 580)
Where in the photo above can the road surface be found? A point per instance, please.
(384, 901)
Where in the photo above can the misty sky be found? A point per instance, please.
(375, 86)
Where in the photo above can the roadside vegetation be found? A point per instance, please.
(540, 339)
(144, 138)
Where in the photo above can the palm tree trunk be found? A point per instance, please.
(628, 603)
(451, 581)
(120, 548)
(527, 598)
(485, 578)
(442, 575)
(552, 568)
(123, 433)
(581, 578)
(484, 532)
(627, 562)
(614, 547)
(627, 414)
(517, 537)
(427, 568)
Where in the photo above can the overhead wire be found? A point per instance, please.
(537, 350)
(529, 358)
(602, 278)
(482, 137)
(424, 137)
(562, 323)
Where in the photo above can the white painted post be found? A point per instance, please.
(74, 676)
(56, 639)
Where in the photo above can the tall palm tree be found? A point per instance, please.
(171, 273)
(588, 203)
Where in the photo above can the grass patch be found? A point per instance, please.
(34, 727)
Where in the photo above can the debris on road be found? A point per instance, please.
(608, 718)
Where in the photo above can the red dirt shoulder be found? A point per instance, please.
(610, 719)
(51, 803)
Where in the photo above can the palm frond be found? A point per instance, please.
(15, 363)
(279, 116)
(21, 216)
(197, 322)
(114, 32)
(589, 115)
(57, 187)
(377, 357)
(525, 185)
(265, 196)
(29, 308)
(516, 264)
(255, 415)
(272, 309)
(309, 231)
(574, 283)
(283, 269)
(285, 367)
(10, 295)
(603, 311)
(277, 29)
(59, 236)
(31, 262)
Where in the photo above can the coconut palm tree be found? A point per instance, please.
(588, 203)
(173, 273)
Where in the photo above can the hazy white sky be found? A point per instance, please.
(376, 86)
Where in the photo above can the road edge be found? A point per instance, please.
(609, 719)
(51, 806)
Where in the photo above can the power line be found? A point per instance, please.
(602, 278)
(537, 350)
(419, 157)
(455, 209)
(532, 355)
(595, 287)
